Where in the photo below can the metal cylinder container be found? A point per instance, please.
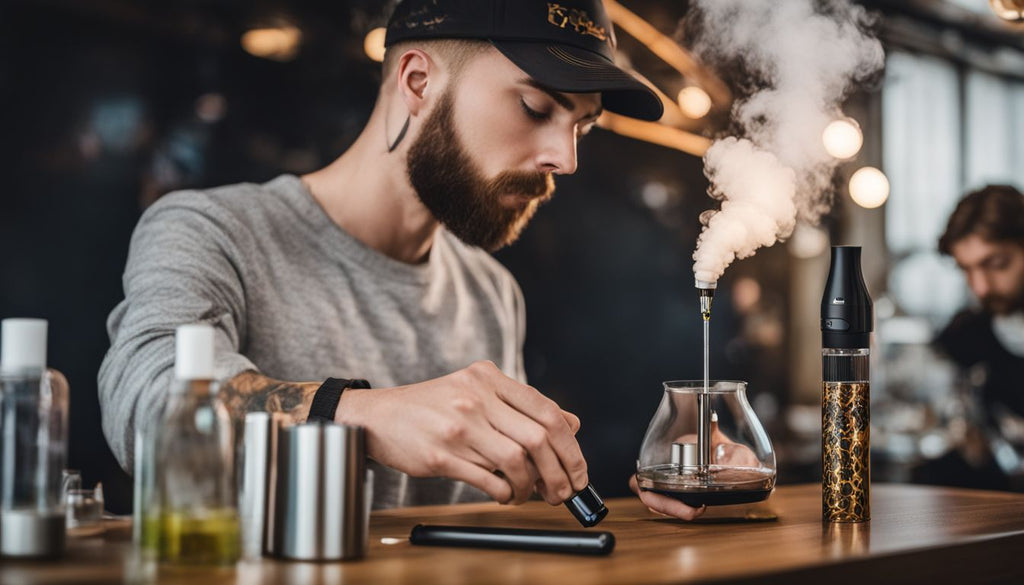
(319, 500)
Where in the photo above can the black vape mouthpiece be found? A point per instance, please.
(846, 309)
(587, 506)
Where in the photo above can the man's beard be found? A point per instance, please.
(452, 187)
(1001, 304)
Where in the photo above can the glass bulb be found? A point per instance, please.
(277, 43)
(373, 44)
(843, 138)
(808, 241)
(869, 187)
(694, 102)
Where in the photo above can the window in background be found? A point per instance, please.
(921, 121)
(946, 131)
(994, 140)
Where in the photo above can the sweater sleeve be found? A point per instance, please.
(183, 267)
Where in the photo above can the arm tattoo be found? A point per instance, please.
(254, 392)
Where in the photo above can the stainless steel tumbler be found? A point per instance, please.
(319, 501)
(258, 465)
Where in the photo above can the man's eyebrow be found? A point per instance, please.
(993, 257)
(557, 96)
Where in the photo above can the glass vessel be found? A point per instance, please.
(33, 443)
(195, 490)
(740, 460)
(191, 517)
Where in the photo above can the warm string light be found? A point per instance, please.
(843, 138)
(694, 102)
(808, 241)
(279, 43)
(373, 44)
(869, 187)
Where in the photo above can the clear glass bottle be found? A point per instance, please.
(144, 501)
(33, 444)
(192, 518)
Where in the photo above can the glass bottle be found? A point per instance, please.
(33, 443)
(144, 493)
(193, 519)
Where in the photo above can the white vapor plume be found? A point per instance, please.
(804, 55)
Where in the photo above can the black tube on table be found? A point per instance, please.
(562, 541)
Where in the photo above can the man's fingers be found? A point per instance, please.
(498, 488)
(546, 413)
(505, 455)
(534, 438)
(669, 506)
(572, 420)
(664, 505)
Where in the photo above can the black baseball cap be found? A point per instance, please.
(567, 46)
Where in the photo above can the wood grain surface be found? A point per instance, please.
(917, 534)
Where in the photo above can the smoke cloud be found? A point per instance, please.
(800, 58)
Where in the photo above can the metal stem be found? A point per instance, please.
(704, 398)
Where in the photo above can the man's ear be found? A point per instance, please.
(415, 71)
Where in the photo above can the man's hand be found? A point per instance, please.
(476, 425)
(664, 505)
(724, 451)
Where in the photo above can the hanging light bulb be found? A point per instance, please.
(808, 241)
(373, 44)
(1009, 10)
(278, 43)
(842, 138)
(694, 102)
(869, 187)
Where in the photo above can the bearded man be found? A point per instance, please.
(377, 267)
(985, 235)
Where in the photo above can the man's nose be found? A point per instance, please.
(558, 154)
(979, 284)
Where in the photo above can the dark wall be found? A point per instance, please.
(98, 118)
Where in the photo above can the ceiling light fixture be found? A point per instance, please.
(278, 43)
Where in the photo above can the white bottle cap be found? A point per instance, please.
(193, 358)
(23, 344)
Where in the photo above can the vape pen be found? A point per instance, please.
(846, 324)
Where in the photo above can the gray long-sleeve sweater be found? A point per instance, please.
(296, 298)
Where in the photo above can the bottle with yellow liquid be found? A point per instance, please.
(192, 517)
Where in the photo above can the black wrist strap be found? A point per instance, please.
(325, 401)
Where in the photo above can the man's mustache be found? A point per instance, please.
(999, 304)
(529, 184)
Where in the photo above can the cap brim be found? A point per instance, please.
(573, 70)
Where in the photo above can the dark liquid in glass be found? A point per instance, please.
(723, 486)
(726, 497)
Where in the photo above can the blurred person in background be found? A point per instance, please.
(985, 236)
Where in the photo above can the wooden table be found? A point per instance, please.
(918, 534)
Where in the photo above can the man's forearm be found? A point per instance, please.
(254, 392)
